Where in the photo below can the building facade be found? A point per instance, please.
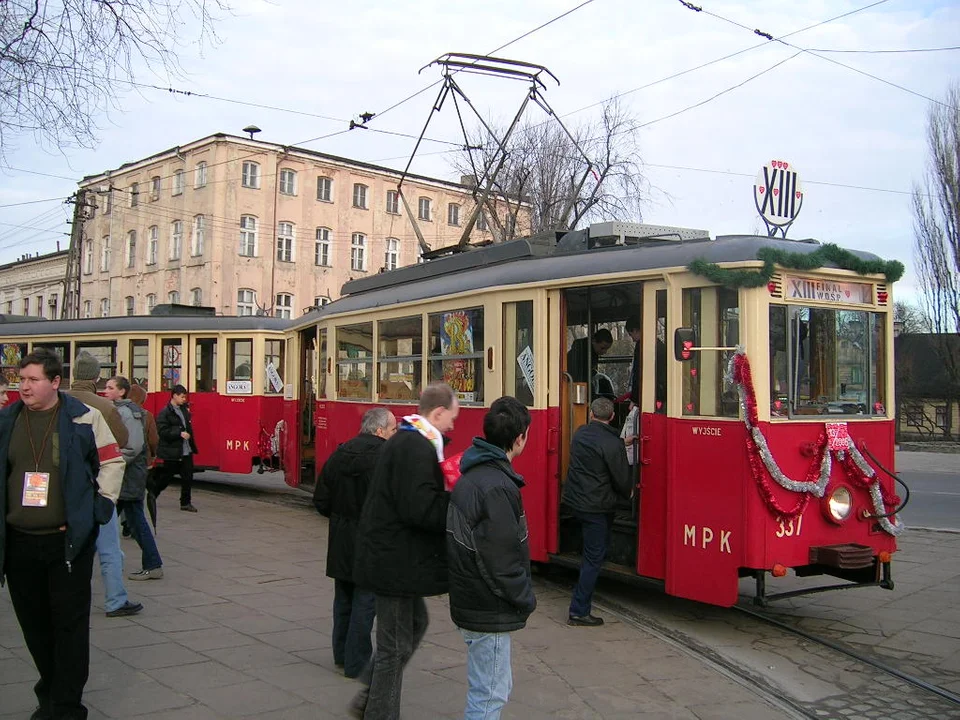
(33, 285)
(252, 227)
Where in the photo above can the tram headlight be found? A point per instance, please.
(839, 504)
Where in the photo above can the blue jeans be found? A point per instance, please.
(353, 613)
(140, 530)
(489, 676)
(595, 528)
(111, 565)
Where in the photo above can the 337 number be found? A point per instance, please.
(791, 528)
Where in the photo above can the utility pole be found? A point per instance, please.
(71, 283)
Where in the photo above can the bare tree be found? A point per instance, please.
(909, 319)
(63, 63)
(543, 170)
(936, 209)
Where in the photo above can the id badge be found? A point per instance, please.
(36, 486)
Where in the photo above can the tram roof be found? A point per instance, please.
(138, 323)
(520, 261)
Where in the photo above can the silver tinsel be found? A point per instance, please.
(894, 526)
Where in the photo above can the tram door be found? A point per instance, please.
(307, 403)
(601, 345)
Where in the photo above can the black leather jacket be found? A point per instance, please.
(598, 471)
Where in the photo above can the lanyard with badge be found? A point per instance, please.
(36, 484)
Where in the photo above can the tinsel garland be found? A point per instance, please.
(891, 269)
(818, 474)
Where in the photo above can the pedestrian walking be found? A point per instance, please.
(51, 447)
(86, 373)
(491, 589)
(340, 493)
(597, 475)
(400, 552)
(177, 446)
(135, 480)
(139, 396)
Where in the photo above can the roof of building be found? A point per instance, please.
(34, 258)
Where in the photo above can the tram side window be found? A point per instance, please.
(826, 361)
(206, 369)
(322, 374)
(240, 360)
(355, 361)
(273, 357)
(140, 363)
(400, 358)
(714, 315)
(106, 355)
(456, 352)
(171, 355)
(12, 354)
(63, 352)
(518, 357)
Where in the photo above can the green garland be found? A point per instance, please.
(892, 269)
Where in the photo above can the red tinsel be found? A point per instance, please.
(743, 376)
(759, 473)
(860, 478)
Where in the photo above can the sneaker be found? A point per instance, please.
(155, 574)
(128, 608)
(585, 620)
(188, 508)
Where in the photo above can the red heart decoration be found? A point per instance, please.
(881, 297)
(776, 191)
(786, 165)
(659, 404)
(687, 344)
(777, 404)
(771, 287)
(690, 406)
(693, 372)
(774, 163)
(761, 189)
(798, 195)
(847, 292)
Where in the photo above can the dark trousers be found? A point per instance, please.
(182, 467)
(52, 603)
(401, 625)
(140, 529)
(595, 529)
(353, 613)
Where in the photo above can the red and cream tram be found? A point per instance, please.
(765, 381)
(232, 368)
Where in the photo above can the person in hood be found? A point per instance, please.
(340, 493)
(491, 590)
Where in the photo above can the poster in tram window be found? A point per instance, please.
(10, 356)
(456, 338)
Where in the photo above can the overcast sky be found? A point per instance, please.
(837, 127)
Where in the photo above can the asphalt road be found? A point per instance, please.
(934, 499)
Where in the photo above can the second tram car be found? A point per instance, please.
(763, 386)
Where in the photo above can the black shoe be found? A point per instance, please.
(188, 508)
(128, 608)
(585, 620)
(126, 532)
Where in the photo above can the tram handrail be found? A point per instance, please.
(896, 477)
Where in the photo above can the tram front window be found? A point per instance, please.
(826, 361)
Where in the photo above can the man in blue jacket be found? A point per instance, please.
(597, 475)
(491, 590)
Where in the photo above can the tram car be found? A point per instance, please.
(232, 367)
(762, 382)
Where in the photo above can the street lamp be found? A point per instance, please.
(252, 129)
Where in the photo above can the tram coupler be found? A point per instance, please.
(886, 575)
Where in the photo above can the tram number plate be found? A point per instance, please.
(791, 528)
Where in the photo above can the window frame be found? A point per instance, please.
(200, 175)
(324, 182)
(179, 182)
(358, 247)
(244, 304)
(283, 305)
(425, 208)
(393, 202)
(176, 240)
(197, 236)
(360, 196)
(325, 243)
(153, 244)
(130, 261)
(249, 236)
(389, 253)
(286, 242)
(453, 214)
(250, 175)
(287, 182)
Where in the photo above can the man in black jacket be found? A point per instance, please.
(177, 446)
(598, 473)
(341, 490)
(491, 591)
(401, 551)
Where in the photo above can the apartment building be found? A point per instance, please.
(32, 285)
(253, 227)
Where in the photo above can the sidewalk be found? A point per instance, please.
(939, 462)
(240, 627)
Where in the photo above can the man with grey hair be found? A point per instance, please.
(598, 473)
(340, 493)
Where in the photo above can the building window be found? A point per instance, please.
(196, 245)
(248, 236)
(453, 214)
(152, 245)
(482, 222)
(173, 296)
(246, 301)
(131, 258)
(285, 242)
(87, 308)
(105, 254)
(324, 189)
(321, 300)
(358, 257)
(108, 202)
(391, 256)
(360, 196)
(178, 182)
(196, 297)
(128, 304)
(53, 303)
(155, 188)
(26, 307)
(940, 416)
(134, 194)
(393, 202)
(104, 307)
(200, 175)
(284, 306)
(251, 175)
(423, 209)
(176, 239)
(288, 182)
(322, 248)
(151, 302)
(87, 257)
